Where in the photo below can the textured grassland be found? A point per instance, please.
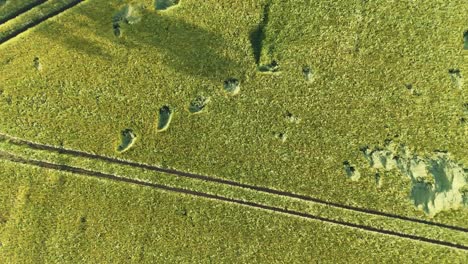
(11, 8)
(92, 85)
(324, 211)
(31, 16)
(50, 217)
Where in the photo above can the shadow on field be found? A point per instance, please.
(185, 47)
(73, 42)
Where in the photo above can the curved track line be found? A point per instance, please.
(37, 146)
(21, 11)
(96, 174)
(34, 23)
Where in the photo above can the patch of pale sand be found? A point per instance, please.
(127, 139)
(351, 171)
(438, 182)
(165, 117)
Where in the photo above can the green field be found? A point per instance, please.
(357, 104)
(59, 218)
(9, 9)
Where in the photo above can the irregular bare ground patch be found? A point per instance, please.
(439, 182)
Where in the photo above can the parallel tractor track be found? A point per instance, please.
(21, 11)
(35, 22)
(77, 153)
(101, 175)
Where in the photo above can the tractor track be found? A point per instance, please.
(21, 11)
(77, 153)
(38, 21)
(101, 175)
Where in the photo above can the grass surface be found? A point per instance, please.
(11, 8)
(288, 130)
(318, 209)
(31, 16)
(57, 217)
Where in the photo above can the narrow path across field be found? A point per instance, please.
(34, 22)
(96, 174)
(21, 10)
(37, 146)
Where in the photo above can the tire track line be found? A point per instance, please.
(21, 10)
(77, 153)
(101, 175)
(38, 21)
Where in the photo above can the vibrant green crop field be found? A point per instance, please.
(354, 103)
(10, 8)
(50, 217)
